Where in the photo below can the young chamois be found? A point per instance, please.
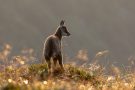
(52, 46)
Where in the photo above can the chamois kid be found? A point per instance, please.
(52, 46)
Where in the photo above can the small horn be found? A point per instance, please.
(62, 22)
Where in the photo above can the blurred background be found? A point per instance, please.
(95, 25)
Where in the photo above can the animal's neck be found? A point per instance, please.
(58, 34)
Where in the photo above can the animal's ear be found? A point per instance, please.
(62, 22)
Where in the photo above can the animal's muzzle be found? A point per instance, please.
(68, 34)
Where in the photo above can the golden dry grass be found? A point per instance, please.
(17, 74)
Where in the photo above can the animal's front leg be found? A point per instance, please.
(60, 61)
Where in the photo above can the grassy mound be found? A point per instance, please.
(37, 77)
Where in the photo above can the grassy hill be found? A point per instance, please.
(36, 77)
(20, 73)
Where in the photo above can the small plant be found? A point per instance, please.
(37, 68)
(11, 86)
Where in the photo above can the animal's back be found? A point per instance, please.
(48, 46)
(52, 46)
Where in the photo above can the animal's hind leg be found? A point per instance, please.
(48, 62)
(60, 62)
(55, 62)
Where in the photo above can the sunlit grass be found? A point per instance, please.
(74, 78)
(18, 74)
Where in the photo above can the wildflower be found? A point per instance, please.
(45, 82)
(22, 62)
(102, 53)
(10, 80)
(110, 78)
(82, 54)
(126, 84)
(91, 88)
(82, 87)
(7, 46)
(10, 67)
(7, 50)
(26, 81)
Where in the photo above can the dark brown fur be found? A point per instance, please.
(52, 46)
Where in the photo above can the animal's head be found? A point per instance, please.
(63, 30)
